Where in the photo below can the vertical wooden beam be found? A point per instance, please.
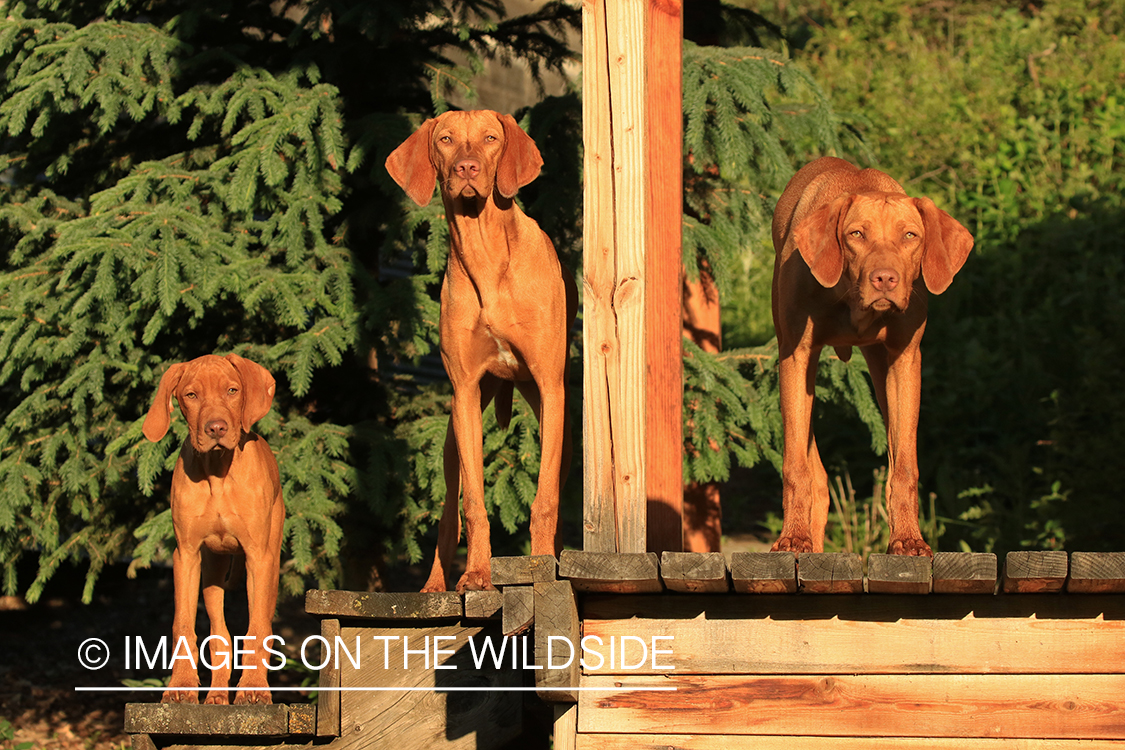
(664, 277)
(614, 274)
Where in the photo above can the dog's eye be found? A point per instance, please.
(189, 394)
(910, 235)
(490, 138)
(445, 139)
(856, 233)
(232, 391)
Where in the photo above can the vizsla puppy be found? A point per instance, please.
(506, 306)
(226, 500)
(855, 259)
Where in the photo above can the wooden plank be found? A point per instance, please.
(557, 642)
(483, 605)
(523, 569)
(328, 701)
(1096, 573)
(414, 708)
(1034, 572)
(384, 606)
(695, 572)
(764, 572)
(830, 573)
(186, 718)
(625, 26)
(663, 316)
(302, 719)
(565, 732)
(899, 574)
(964, 573)
(874, 634)
(624, 573)
(602, 741)
(1010, 706)
(519, 609)
(141, 742)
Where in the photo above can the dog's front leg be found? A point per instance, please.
(801, 500)
(215, 570)
(550, 408)
(261, 591)
(904, 379)
(449, 527)
(467, 403)
(183, 687)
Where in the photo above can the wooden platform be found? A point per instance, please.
(707, 654)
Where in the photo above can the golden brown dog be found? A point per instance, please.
(855, 258)
(506, 307)
(226, 500)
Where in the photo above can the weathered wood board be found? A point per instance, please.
(845, 634)
(602, 741)
(410, 711)
(1011, 706)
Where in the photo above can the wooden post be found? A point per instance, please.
(664, 476)
(632, 391)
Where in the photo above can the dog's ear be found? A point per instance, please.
(410, 166)
(159, 415)
(258, 387)
(947, 246)
(521, 161)
(818, 239)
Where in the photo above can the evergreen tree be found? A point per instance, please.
(179, 179)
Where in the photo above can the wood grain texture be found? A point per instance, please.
(1096, 573)
(519, 609)
(624, 573)
(899, 574)
(302, 719)
(328, 702)
(557, 641)
(426, 718)
(384, 606)
(764, 572)
(695, 572)
(1008, 706)
(602, 741)
(1034, 572)
(599, 325)
(625, 33)
(523, 569)
(483, 605)
(565, 735)
(964, 573)
(830, 573)
(664, 276)
(881, 635)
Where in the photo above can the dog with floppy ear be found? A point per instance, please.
(856, 260)
(226, 501)
(506, 308)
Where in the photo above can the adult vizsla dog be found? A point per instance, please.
(855, 260)
(506, 307)
(226, 500)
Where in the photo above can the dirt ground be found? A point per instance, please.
(39, 666)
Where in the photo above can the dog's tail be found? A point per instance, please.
(503, 403)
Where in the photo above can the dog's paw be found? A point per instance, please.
(792, 544)
(217, 698)
(180, 695)
(911, 547)
(434, 586)
(252, 697)
(476, 580)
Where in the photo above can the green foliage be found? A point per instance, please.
(182, 179)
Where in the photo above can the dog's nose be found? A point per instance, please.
(216, 429)
(467, 168)
(884, 279)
